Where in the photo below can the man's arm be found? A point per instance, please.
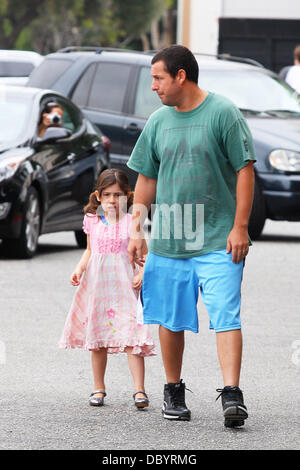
(238, 242)
(144, 196)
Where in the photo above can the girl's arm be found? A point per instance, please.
(81, 266)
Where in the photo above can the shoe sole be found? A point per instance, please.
(176, 418)
(235, 416)
(141, 405)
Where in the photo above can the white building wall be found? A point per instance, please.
(279, 9)
(204, 14)
(204, 27)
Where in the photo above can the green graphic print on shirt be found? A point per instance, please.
(194, 156)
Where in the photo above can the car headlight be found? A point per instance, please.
(285, 160)
(9, 166)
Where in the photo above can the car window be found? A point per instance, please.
(250, 90)
(146, 101)
(82, 90)
(15, 69)
(48, 72)
(71, 117)
(109, 87)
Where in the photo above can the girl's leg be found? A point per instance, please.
(99, 361)
(137, 369)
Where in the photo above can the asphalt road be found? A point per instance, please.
(45, 390)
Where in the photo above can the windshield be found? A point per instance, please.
(251, 90)
(15, 69)
(46, 74)
(14, 114)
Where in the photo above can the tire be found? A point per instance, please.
(26, 245)
(80, 238)
(258, 213)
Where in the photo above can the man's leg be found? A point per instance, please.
(220, 281)
(229, 346)
(172, 347)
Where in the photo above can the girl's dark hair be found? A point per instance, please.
(108, 178)
(297, 53)
(178, 57)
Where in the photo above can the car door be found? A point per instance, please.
(102, 95)
(70, 167)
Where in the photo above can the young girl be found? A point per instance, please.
(103, 315)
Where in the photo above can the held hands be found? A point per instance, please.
(136, 249)
(137, 281)
(238, 243)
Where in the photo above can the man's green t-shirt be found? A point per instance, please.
(195, 157)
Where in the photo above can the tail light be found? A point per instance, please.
(106, 142)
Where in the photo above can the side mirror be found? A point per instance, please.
(52, 134)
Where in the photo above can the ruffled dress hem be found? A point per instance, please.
(143, 350)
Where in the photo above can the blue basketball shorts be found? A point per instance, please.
(171, 287)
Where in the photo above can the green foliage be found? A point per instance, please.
(24, 40)
(135, 17)
(7, 27)
(46, 25)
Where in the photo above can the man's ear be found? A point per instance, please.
(181, 76)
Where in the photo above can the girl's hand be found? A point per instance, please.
(137, 281)
(75, 277)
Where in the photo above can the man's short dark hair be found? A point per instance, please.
(178, 57)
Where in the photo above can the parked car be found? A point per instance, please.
(46, 172)
(113, 89)
(16, 66)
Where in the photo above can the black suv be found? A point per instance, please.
(113, 89)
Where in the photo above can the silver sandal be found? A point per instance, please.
(97, 401)
(141, 402)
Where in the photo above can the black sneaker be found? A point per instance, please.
(235, 412)
(174, 406)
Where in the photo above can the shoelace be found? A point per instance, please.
(222, 391)
(178, 398)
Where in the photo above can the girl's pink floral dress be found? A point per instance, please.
(104, 309)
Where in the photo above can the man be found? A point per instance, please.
(293, 75)
(195, 156)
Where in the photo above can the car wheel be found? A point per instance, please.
(258, 213)
(80, 238)
(26, 245)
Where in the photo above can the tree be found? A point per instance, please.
(14, 17)
(72, 22)
(163, 29)
(48, 25)
(135, 17)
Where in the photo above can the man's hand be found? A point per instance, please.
(238, 243)
(137, 247)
